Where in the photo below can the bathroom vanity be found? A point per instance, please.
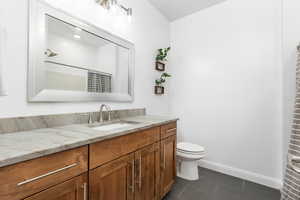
(133, 162)
(68, 157)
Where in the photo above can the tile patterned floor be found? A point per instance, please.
(216, 186)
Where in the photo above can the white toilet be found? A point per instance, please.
(188, 155)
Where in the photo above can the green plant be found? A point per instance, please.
(162, 54)
(162, 79)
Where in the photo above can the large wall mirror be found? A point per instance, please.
(72, 60)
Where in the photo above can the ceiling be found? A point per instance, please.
(68, 31)
(176, 9)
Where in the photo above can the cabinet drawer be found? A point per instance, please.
(105, 151)
(73, 189)
(26, 178)
(168, 130)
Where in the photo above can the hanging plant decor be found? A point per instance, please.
(161, 59)
(159, 89)
(162, 54)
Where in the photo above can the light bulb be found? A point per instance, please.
(129, 18)
(129, 15)
(77, 36)
(113, 6)
(114, 9)
(78, 29)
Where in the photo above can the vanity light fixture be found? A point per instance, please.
(113, 5)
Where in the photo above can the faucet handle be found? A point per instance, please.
(109, 112)
(90, 118)
(90, 115)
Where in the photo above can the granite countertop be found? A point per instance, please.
(21, 146)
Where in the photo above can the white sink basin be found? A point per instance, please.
(110, 127)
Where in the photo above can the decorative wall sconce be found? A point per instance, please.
(113, 5)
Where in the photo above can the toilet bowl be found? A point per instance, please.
(188, 155)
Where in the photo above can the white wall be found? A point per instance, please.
(71, 51)
(226, 86)
(106, 58)
(149, 31)
(2, 46)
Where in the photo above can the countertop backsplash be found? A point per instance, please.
(18, 124)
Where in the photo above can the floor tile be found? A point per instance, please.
(216, 186)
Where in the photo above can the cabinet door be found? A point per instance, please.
(168, 164)
(114, 180)
(74, 189)
(147, 176)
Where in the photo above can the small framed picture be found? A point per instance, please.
(160, 66)
(159, 90)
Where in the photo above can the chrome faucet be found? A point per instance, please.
(108, 109)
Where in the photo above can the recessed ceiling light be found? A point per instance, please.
(78, 29)
(77, 36)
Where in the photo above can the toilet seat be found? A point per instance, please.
(189, 148)
(190, 153)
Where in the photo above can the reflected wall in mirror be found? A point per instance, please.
(2, 50)
(71, 60)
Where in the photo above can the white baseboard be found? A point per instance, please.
(243, 174)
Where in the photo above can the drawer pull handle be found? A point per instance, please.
(45, 175)
(171, 130)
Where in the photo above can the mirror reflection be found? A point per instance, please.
(77, 60)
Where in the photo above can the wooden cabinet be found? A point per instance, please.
(168, 130)
(113, 181)
(108, 150)
(74, 189)
(136, 166)
(147, 162)
(168, 164)
(24, 179)
(135, 176)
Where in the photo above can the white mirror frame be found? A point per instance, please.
(37, 37)
(2, 57)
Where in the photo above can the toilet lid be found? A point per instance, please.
(189, 147)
